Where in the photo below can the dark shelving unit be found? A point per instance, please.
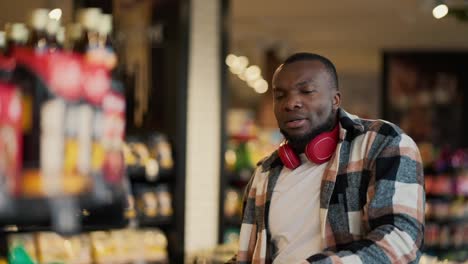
(425, 93)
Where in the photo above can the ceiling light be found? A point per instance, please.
(55, 14)
(252, 73)
(440, 11)
(242, 76)
(260, 86)
(230, 59)
(236, 70)
(243, 62)
(239, 65)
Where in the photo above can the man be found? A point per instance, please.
(340, 190)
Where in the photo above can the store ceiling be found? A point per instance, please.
(352, 31)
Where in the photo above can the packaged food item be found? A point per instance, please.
(462, 183)
(129, 245)
(456, 210)
(103, 247)
(141, 152)
(161, 150)
(129, 155)
(164, 200)
(53, 248)
(155, 245)
(441, 209)
(22, 249)
(130, 209)
(431, 235)
(81, 248)
(443, 185)
(458, 235)
(429, 183)
(147, 202)
(231, 235)
(445, 237)
(231, 203)
(230, 156)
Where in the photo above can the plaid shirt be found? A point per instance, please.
(371, 202)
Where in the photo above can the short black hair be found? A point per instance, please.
(329, 66)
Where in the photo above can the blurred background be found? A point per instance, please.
(129, 128)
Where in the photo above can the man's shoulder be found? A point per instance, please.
(378, 132)
(381, 127)
(358, 125)
(268, 161)
(385, 133)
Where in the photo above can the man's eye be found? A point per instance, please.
(307, 91)
(279, 96)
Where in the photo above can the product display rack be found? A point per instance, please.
(167, 101)
(235, 180)
(425, 94)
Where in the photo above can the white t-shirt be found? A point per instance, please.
(294, 220)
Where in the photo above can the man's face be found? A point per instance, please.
(304, 100)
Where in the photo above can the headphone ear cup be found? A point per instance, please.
(322, 147)
(288, 157)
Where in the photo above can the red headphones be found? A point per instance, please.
(318, 150)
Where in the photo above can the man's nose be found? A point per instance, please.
(293, 102)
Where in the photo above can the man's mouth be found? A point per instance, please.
(295, 123)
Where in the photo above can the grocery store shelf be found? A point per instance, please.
(233, 221)
(447, 221)
(35, 214)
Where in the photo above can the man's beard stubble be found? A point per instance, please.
(298, 144)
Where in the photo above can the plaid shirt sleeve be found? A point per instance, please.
(395, 209)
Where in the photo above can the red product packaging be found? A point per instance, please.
(114, 129)
(96, 82)
(443, 185)
(10, 137)
(462, 183)
(64, 74)
(7, 64)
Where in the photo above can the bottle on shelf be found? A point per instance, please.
(16, 36)
(38, 23)
(2, 43)
(52, 35)
(10, 144)
(89, 20)
(104, 53)
(73, 35)
(243, 165)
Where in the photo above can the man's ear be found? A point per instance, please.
(336, 100)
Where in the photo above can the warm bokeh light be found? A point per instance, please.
(260, 86)
(230, 59)
(440, 11)
(55, 14)
(252, 73)
(243, 62)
